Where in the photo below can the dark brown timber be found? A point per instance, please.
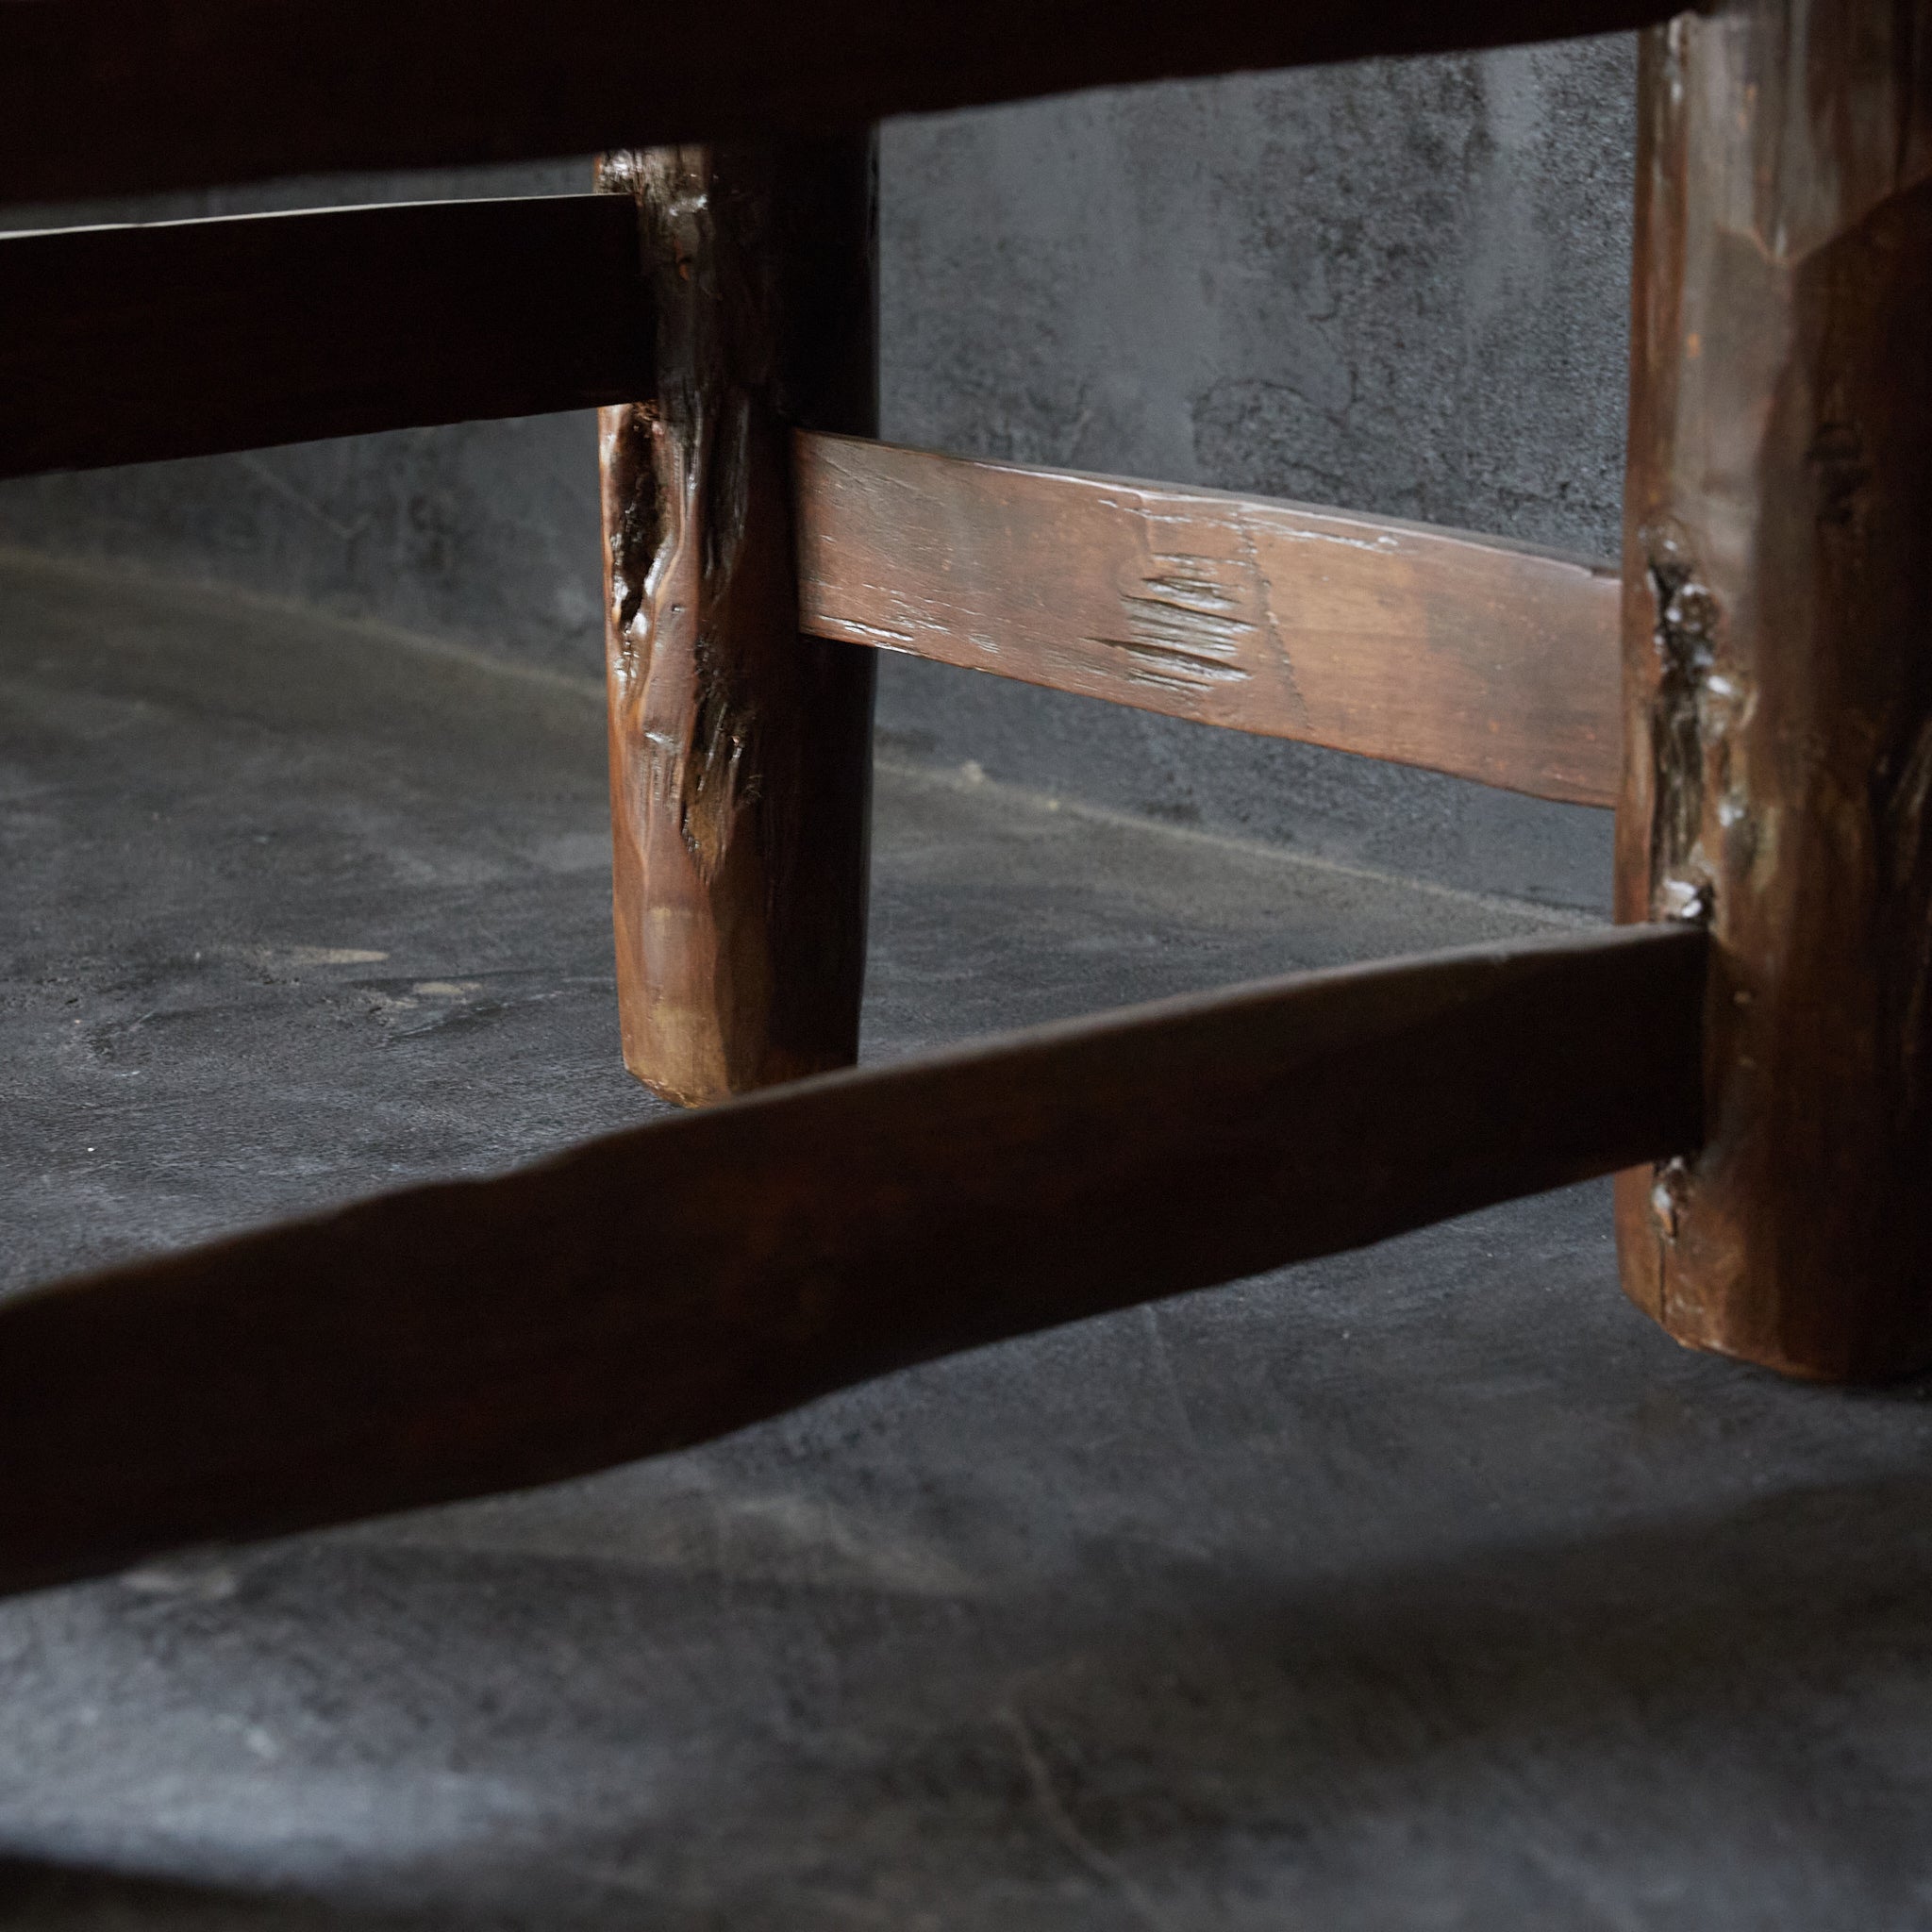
(689, 1277)
(1468, 655)
(741, 752)
(1778, 657)
(122, 345)
(115, 96)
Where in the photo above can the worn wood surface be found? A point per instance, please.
(681, 1280)
(741, 751)
(122, 345)
(113, 96)
(1778, 568)
(1468, 655)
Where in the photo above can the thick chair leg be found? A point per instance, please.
(739, 751)
(1778, 672)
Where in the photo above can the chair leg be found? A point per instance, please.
(1778, 672)
(741, 751)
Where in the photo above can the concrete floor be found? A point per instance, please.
(1426, 1586)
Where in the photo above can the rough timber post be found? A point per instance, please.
(739, 751)
(1778, 670)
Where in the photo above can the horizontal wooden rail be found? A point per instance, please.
(118, 96)
(125, 343)
(674, 1283)
(1467, 655)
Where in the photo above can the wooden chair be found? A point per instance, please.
(1751, 1049)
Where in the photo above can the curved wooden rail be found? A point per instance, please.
(674, 1283)
(1469, 655)
(127, 96)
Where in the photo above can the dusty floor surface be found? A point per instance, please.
(1426, 1586)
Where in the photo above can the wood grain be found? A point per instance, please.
(741, 751)
(122, 344)
(679, 1281)
(1468, 655)
(116, 97)
(1779, 606)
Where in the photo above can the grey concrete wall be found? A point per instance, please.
(1399, 287)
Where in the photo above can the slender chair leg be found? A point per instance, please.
(741, 752)
(1777, 638)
